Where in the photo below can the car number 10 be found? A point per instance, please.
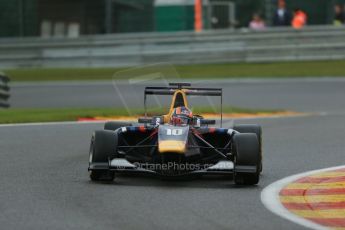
(174, 132)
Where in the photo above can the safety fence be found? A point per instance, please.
(221, 46)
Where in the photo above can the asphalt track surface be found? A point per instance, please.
(45, 185)
(308, 94)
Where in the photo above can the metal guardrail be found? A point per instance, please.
(4, 90)
(278, 44)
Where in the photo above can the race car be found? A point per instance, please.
(177, 144)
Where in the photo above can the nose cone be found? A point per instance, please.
(172, 146)
(172, 139)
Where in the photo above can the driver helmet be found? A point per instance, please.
(181, 116)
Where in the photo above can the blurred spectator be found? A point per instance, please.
(282, 17)
(257, 23)
(299, 19)
(339, 17)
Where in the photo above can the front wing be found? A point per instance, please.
(120, 165)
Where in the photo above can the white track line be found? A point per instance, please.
(270, 198)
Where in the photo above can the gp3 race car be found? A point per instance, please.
(177, 144)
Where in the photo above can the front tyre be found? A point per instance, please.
(252, 129)
(102, 148)
(246, 159)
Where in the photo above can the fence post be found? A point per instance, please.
(198, 24)
(21, 17)
(269, 11)
(108, 16)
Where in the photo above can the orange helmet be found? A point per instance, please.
(181, 116)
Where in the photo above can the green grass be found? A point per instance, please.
(233, 70)
(8, 116)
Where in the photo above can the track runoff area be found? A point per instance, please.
(314, 199)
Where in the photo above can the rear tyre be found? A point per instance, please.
(252, 129)
(246, 155)
(102, 148)
(114, 125)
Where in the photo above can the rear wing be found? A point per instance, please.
(188, 90)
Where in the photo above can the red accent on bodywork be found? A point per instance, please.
(142, 129)
(212, 130)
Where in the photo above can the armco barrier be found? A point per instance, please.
(278, 44)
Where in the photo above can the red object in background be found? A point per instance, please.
(198, 16)
(299, 20)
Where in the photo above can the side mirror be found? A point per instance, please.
(159, 120)
(143, 120)
(200, 121)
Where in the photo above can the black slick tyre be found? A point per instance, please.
(102, 148)
(246, 159)
(252, 129)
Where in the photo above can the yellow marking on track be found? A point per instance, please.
(339, 213)
(315, 186)
(328, 174)
(312, 199)
(320, 200)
